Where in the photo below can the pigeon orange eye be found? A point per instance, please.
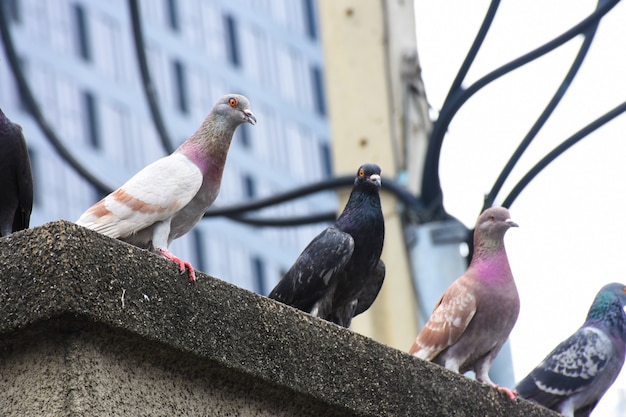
(492, 218)
(361, 173)
(233, 102)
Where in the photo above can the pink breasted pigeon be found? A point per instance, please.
(167, 198)
(16, 179)
(477, 312)
(577, 373)
(339, 274)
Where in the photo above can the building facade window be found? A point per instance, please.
(244, 136)
(173, 19)
(310, 22)
(91, 119)
(317, 82)
(249, 186)
(232, 41)
(258, 269)
(82, 32)
(180, 84)
(327, 163)
(199, 248)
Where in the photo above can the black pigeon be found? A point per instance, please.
(339, 274)
(16, 180)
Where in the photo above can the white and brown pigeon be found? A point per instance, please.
(477, 312)
(16, 179)
(167, 198)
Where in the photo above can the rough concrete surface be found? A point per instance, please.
(93, 326)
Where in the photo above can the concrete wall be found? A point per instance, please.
(92, 326)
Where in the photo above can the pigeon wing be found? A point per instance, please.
(447, 323)
(315, 269)
(570, 368)
(152, 195)
(371, 290)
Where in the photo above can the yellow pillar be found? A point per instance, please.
(365, 43)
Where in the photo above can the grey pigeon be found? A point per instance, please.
(16, 178)
(339, 274)
(477, 312)
(577, 373)
(167, 198)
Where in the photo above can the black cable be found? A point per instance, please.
(473, 51)
(146, 81)
(431, 186)
(556, 152)
(281, 198)
(412, 203)
(554, 101)
(35, 110)
(327, 217)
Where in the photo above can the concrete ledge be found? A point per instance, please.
(93, 326)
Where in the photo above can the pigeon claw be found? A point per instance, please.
(182, 264)
(512, 394)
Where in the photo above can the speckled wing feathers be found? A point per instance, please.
(577, 360)
(315, 269)
(570, 368)
(446, 325)
(577, 373)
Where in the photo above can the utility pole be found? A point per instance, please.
(378, 113)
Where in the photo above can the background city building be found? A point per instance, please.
(79, 59)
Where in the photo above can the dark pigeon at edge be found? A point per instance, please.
(339, 274)
(577, 373)
(16, 180)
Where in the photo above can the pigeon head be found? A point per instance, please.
(490, 228)
(234, 110)
(608, 307)
(494, 222)
(369, 175)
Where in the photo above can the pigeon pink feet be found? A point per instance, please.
(509, 392)
(182, 264)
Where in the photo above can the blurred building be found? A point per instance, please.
(79, 59)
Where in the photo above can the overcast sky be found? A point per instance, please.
(572, 235)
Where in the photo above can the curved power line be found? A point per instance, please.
(543, 118)
(473, 51)
(556, 152)
(431, 186)
(327, 217)
(413, 204)
(280, 198)
(146, 81)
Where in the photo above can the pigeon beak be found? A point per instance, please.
(249, 117)
(511, 223)
(375, 178)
